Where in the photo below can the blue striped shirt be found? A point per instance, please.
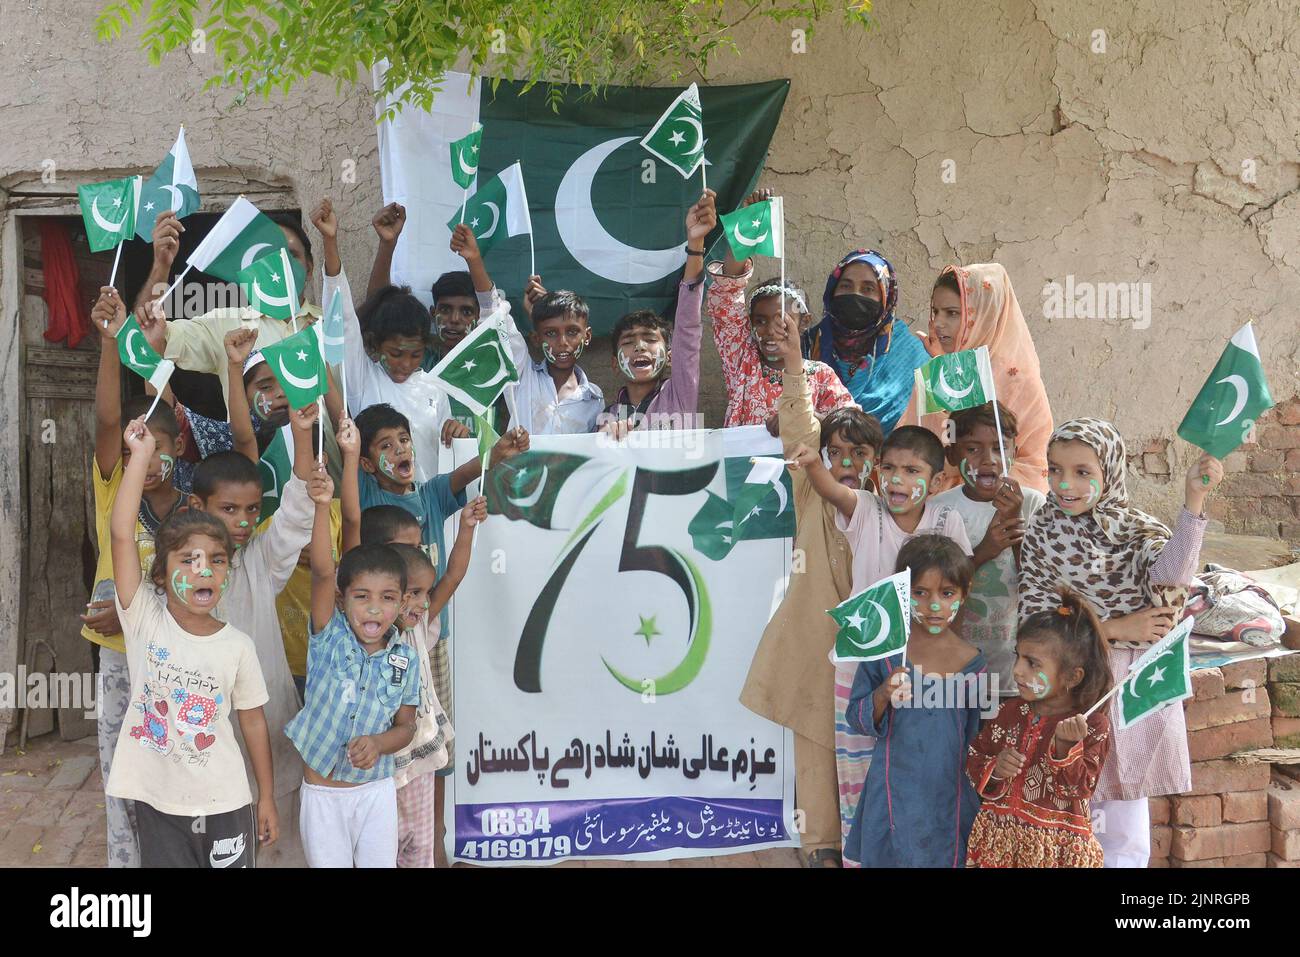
(351, 694)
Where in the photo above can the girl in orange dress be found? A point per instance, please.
(1037, 763)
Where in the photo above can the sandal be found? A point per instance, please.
(824, 857)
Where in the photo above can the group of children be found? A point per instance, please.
(323, 627)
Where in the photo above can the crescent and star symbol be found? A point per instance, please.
(1242, 394)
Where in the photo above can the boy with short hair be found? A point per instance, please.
(160, 501)
(554, 395)
(876, 527)
(229, 487)
(650, 397)
(996, 511)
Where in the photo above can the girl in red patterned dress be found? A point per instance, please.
(1036, 764)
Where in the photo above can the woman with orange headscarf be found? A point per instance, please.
(974, 306)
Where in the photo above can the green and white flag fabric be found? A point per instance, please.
(276, 466)
(173, 186)
(272, 284)
(477, 370)
(240, 237)
(1161, 677)
(138, 356)
(1233, 397)
(554, 490)
(759, 505)
(299, 366)
(957, 380)
(464, 158)
(756, 230)
(331, 329)
(498, 209)
(875, 622)
(109, 211)
(678, 137)
(487, 437)
(602, 222)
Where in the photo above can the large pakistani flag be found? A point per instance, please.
(1231, 400)
(1161, 677)
(109, 211)
(957, 380)
(173, 186)
(298, 364)
(607, 218)
(240, 237)
(875, 622)
(478, 369)
(497, 210)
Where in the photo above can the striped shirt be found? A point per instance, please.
(349, 695)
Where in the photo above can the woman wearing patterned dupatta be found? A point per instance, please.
(975, 306)
(873, 354)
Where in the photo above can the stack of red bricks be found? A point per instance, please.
(1284, 792)
(1223, 821)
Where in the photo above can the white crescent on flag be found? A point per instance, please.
(250, 254)
(943, 384)
(295, 381)
(103, 223)
(881, 635)
(1243, 393)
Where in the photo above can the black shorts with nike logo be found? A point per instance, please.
(209, 841)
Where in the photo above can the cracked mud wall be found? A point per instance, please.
(1117, 167)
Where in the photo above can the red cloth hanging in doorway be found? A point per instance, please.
(69, 317)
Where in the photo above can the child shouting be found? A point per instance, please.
(995, 511)
(920, 749)
(177, 756)
(1037, 763)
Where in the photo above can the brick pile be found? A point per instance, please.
(1284, 791)
(1223, 821)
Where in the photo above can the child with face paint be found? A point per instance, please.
(229, 487)
(791, 680)
(995, 511)
(383, 350)
(387, 475)
(1037, 764)
(917, 805)
(189, 672)
(553, 395)
(159, 500)
(649, 396)
(876, 526)
(418, 787)
(1135, 574)
(748, 333)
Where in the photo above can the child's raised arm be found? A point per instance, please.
(842, 497)
(322, 565)
(327, 224)
(465, 245)
(471, 515)
(239, 345)
(507, 447)
(349, 440)
(126, 508)
(107, 317)
(388, 223)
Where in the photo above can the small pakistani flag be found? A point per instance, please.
(1161, 677)
(875, 622)
(476, 371)
(138, 356)
(299, 366)
(1232, 398)
(756, 230)
(464, 157)
(499, 208)
(487, 437)
(678, 136)
(240, 237)
(173, 186)
(276, 466)
(957, 380)
(109, 211)
(272, 284)
(331, 330)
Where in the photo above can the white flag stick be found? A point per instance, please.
(288, 284)
(320, 421)
(532, 255)
(157, 395)
(176, 283)
(997, 424)
(704, 177)
(464, 200)
(1106, 697)
(112, 276)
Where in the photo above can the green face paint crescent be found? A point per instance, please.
(180, 585)
(385, 467)
(168, 465)
(1095, 493)
(966, 475)
(1041, 686)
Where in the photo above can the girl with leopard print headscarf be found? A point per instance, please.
(1134, 572)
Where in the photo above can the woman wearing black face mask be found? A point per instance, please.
(858, 337)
